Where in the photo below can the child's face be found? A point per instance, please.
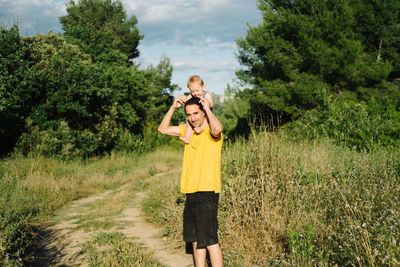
(196, 89)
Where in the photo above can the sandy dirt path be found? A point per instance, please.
(60, 244)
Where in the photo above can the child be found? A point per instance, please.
(196, 87)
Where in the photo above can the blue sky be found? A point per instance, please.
(197, 35)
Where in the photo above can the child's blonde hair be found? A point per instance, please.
(195, 79)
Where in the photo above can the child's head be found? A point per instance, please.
(196, 86)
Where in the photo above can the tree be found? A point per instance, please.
(16, 87)
(101, 28)
(304, 47)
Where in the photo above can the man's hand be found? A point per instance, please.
(164, 126)
(179, 101)
(215, 125)
(206, 104)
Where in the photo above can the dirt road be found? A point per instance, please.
(62, 241)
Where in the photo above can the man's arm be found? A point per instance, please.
(215, 125)
(164, 126)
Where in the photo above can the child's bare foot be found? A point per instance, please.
(197, 130)
(200, 128)
(184, 139)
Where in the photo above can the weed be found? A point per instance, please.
(114, 249)
(301, 246)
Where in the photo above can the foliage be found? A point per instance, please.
(70, 105)
(233, 114)
(102, 29)
(302, 48)
(347, 120)
(17, 88)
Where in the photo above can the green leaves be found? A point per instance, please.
(58, 100)
(306, 47)
(101, 28)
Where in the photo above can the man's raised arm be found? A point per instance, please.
(164, 126)
(215, 125)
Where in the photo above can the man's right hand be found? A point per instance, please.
(179, 101)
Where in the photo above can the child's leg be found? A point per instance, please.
(188, 134)
(201, 127)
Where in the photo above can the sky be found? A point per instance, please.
(198, 36)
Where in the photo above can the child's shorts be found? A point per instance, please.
(200, 223)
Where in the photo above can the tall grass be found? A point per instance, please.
(32, 188)
(307, 203)
(284, 202)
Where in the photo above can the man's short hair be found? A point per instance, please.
(194, 101)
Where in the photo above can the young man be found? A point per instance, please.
(201, 177)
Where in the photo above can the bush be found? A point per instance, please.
(62, 142)
(347, 120)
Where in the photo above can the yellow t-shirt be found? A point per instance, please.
(201, 167)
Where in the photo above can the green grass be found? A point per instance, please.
(301, 202)
(33, 188)
(164, 206)
(115, 249)
(284, 202)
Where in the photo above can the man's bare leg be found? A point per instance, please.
(199, 255)
(215, 255)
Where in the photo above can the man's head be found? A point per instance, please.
(196, 86)
(194, 112)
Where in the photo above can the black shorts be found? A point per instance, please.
(200, 223)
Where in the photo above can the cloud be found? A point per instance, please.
(35, 16)
(197, 35)
(188, 22)
(204, 66)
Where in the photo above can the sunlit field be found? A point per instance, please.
(303, 203)
(33, 188)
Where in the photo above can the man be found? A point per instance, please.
(201, 177)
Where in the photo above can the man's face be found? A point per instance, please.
(195, 115)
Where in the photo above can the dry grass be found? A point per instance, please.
(308, 203)
(33, 188)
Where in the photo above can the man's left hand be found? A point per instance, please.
(205, 103)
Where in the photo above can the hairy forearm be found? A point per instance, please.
(165, 123)
(215, 125)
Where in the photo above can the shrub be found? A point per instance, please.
(346, 120)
